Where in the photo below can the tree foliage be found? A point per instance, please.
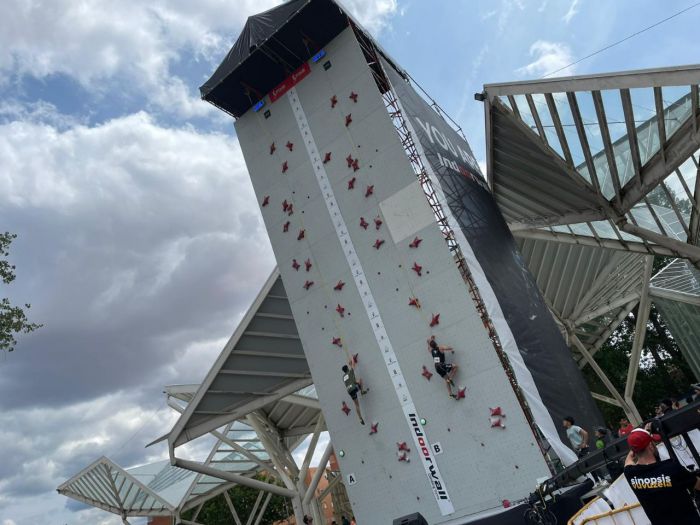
(663, 372)
(216, 511)
(13, 319)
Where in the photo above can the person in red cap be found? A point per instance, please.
(625, 427)
(663, 488)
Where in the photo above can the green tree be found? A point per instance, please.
(13, 320)
(216, 511)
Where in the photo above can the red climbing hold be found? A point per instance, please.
(377, 223)
(353, 97)
(413, 301)
(308, 284)
(266, 201)
(355, 358)
(349, 160)
(285, 227)
(351, 184)
(290, 209)
(355, 164)
(289, 145)
(348, 119)
(302, 234)
(334, 101)
(506, 503)
(369, 191)
(402, 446)
(415, 243)
(363, 223)
(345, 408)
(285, 205)
(461, 392)
(339, 286)
(337, 342)
(404, 457)
(308, 264)
(378, 243)
(285, 167)
(272, 148)
(374, 428)
(417, 268)
(497, 412)
(327, 157)
(340, 310)
(497, 422)
(295, 265)
(435, 320)
(426, 373)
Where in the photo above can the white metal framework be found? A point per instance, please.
(242, 449)
(605, 160)
(261, 363)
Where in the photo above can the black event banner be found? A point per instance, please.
(556, 375)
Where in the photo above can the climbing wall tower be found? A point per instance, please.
(374, 205)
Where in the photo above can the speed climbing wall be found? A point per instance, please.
(370, 277)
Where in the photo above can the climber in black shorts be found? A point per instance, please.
(446, 370)
(354, 386)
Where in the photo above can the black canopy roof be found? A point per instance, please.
(272, 45)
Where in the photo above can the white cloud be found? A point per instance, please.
(138, 43)
(573, 10)
(372, 14)
(140, 247)
(548, 57)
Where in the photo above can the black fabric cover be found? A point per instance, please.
(258, 28)
(557, 377)
(272, 45)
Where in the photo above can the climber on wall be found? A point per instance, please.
(354, 386)
(446, 370)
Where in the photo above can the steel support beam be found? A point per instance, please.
(611, 305)
(312, 448)
(606, 399)
(629, 408)
(232, 509)
(600, 341)
(642, 78)
(235, 478)
(613, 244)
(273, 450)
(303, 401)
(317, 475)
(640, 331)
(263, 509)
(681, 249)
(255, 509)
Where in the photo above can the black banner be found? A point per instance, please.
(557, 378)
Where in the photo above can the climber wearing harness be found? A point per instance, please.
(354, 386)
(446, 370)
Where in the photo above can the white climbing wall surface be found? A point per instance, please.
(355, 244)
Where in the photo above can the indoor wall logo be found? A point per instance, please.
(436, 480)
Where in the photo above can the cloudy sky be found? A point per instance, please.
(140, 243)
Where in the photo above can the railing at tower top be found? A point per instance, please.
(394, 109)
(671, 426)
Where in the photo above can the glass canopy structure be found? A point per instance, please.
(607, 160)
(161, 489)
